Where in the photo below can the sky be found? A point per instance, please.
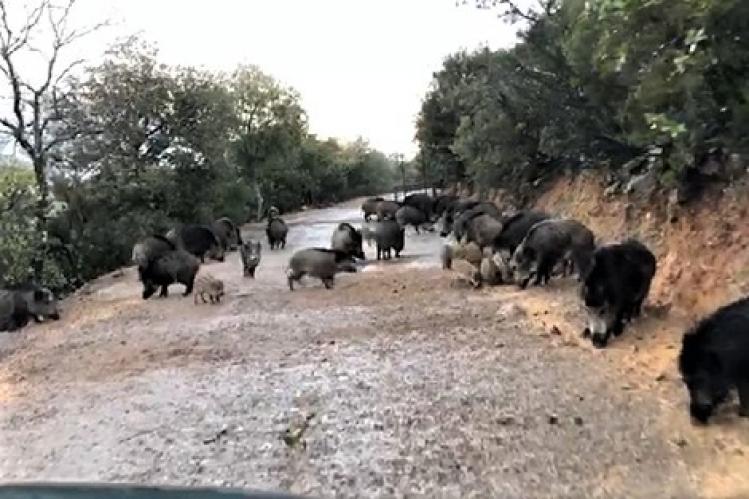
(361, 66)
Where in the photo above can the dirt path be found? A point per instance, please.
(411, 385)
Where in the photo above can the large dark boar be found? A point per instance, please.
(201, 241)
(481, 229)
(273, 212)
(386, 210)
(715, 359)
(276, 230)
(408, 215)
(460, 211)
(615, 287)
(150, 248)
(250, 253)
(389, 236)
(464, 218)
(463, 204)
(369, 207)
(460, 224)
(177, 266)
(20, 303)
(422, 202)
(348, 240)
(318, 262)
(515, 228)
(549, 242)
(442, 203)
(487, 208)
(227, 233)
(451, 212)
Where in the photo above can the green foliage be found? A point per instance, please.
(20, 242)
(174, 145)
(593, 82)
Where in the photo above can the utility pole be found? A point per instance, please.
(403, 172)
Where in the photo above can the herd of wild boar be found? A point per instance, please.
(524, 248)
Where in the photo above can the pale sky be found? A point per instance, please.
(361, 66)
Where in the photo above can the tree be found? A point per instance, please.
(38, 108)
(592, 84)
(271, 128)
(160, 159)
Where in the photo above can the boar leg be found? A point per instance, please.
(744, 398)
(16, 322)
(148, 290)
(188, 286)
(523, 283)
(618, 326)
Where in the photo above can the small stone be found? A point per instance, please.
(553, 419)
(681, 443)
(578, 421)
(661, 377)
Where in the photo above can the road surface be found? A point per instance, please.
(397, 383)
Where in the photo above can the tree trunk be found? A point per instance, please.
(40, 213)
(259, 196)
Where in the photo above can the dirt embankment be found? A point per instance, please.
(702, 248)
(703, 262)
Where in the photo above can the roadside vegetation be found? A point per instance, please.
(630, 87)
(129, 146)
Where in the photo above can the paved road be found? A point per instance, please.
(397, 382)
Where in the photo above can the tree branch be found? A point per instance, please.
(67, 137)
(11, 43)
